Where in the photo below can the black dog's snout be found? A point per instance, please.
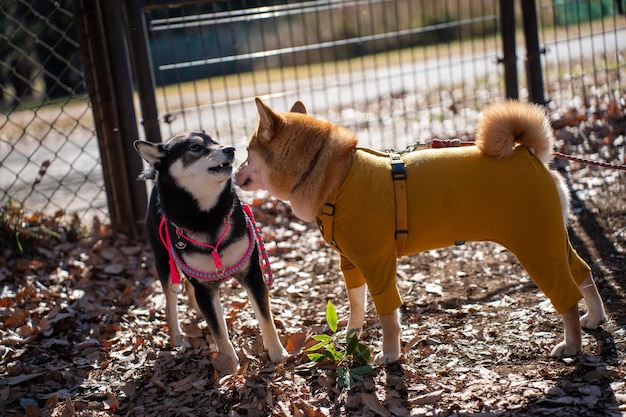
(229, 150)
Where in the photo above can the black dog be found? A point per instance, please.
(197, 225)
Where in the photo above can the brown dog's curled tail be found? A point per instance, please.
(507, 124)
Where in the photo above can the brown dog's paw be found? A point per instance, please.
(592, 321)
(563, 350)
(385, 359)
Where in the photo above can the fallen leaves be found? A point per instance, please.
(468, 343)
(83, 333)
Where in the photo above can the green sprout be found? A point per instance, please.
(351, 361)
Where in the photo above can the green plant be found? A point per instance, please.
(351, 360)
(19, 232)
(22, 234)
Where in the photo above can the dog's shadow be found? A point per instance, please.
(383, 392)
(585, 389)
(592, 244)
(396, 388)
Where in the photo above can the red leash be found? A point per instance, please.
(264, 259)
(590, 162)
(453, 143)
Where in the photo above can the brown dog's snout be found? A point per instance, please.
(243, 164)
(241, 177)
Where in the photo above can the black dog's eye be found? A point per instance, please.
(196, 148)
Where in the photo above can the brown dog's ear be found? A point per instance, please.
(298, 107)
(267, 120)
(151, 152)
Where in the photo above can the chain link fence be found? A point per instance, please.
(49, 156)
(396, 72)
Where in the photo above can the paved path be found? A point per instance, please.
(74, 179)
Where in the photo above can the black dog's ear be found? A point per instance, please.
(151, 152)
(298, 107)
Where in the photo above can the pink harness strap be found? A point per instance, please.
(176, 262)
(264, 259)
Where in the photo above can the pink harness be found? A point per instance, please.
(220, 273)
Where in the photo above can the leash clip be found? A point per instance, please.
(180, 244)
(219, 267)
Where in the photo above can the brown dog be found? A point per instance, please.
(373, 207)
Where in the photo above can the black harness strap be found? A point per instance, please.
(398, 174)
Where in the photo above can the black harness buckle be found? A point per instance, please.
(398, 171)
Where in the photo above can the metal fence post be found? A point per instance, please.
(533, 52)
(143, 69)
(509, 58)
(108, 82)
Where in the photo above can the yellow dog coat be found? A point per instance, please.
(453, 195)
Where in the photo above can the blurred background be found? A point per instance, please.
(82, 79)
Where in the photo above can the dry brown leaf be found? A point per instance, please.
(31, 410)
(19, 379)
(373, 404)
(111, 403)
(239, 303)
(296, 341)
(114, 269)
(52, 400)
(430, 398)
(16, 318)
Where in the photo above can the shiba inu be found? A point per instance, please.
(198, 228)
(373, 207)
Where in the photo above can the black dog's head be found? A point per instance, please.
(193, 162)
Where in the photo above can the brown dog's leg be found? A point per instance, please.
(572, 343)
(357, 297)
(391, 338)
(595, 315)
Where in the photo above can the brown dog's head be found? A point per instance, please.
(295, 156)
(266, 147)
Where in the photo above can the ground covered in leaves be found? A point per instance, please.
(83, 330)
